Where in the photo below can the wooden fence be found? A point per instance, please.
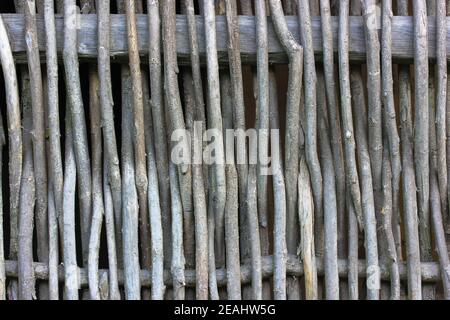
(225, 149)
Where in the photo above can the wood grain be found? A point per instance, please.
(402, 38)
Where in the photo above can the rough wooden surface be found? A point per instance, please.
(430, 272)
(402, 37)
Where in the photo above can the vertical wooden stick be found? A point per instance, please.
(389, 119)
(107, 114)
(437, 226)
(291, 157)
(138, 134)
(373, 97)
(14, 139)
(311, 122)
(352, 181)
(261, 84)
(329, 199)
(26, 277)
(252, 214)
(262, 125)
(55, 157)
(38, 122)
(279, 189)
(441, 99)
(408, 178)
(97, 188)
(76, 109)
(2, 249)
(239, 118)
(421, 144)
(198, 172)
(178, 261)
(353, 241)
(215, 122)
(114, 293)
(157, 252)
(70, 254)
(159, 123)
(367, 191)
(232, 205)
(386, 224)
(306, 217)
(186, 178)
(130, 209)
(334, 121)
(53, 247)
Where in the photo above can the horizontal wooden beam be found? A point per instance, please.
(430, 272)
(402, 37)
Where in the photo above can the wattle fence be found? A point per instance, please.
(224, 149)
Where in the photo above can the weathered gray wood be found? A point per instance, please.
(402, 37)
(430, 272)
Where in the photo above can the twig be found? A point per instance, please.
(201, 220)
(212, 276)
(306, 217)
(107, 113)
(157, 252)
(55, 157)
(198, 171)
(334, 121)
(114, 293)
(14, 138)
(435, 206)
(53, 246)
(279, 190)
(421, 144)
(215, 122)
(172, 93)
(330, 197)
(76, 110)
(27, 202)
(2, 249)
(237, 92)
(408, 178)
(130, 210)
(97, 188)
(441, 99)
(252, 214)
(70, 255)
(353, 288)
(185, 179)
(138, 134)
(311, 123)
(159, 124)
(373, 97)
(239, 120)
(389, 119)
(38, 122)
(352, 180)
(261, 85)
(291, 157)
(232, 204)
(386, 223)
(367, 193)
(178, 262)
(262, 100)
